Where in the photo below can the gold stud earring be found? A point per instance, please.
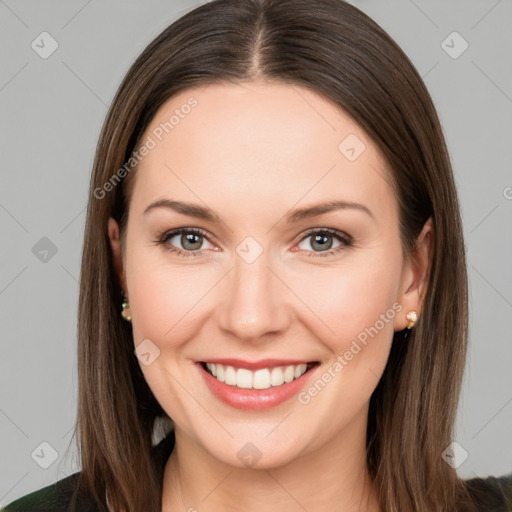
(412, 317)
(124, 312)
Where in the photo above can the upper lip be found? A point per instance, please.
(256, 365)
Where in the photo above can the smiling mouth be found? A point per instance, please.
(263, 378)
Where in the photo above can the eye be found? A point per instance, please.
(190, 240)
(321, 240)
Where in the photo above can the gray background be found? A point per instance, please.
(52, 111)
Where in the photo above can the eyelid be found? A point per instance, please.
(176, 231)
(336, 232)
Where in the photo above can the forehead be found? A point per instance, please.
(254, 116)
(266, 141)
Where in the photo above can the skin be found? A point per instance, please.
(251, 153)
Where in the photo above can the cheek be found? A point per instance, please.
(356, 328)
(352, 313)
(350, 298)
(164, 299)
(165, 303)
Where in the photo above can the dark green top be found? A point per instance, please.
(57, 497)
(491, 494)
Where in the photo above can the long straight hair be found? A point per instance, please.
(337, 51)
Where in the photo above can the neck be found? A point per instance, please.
(333, 477)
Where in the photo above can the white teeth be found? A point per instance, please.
(243, 378)
(289, 373)
(276, 377)
(230, 376)
(300, 369)
(259, 379)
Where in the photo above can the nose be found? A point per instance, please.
(255, 302)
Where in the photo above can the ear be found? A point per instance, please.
(117, 260)
(415, 276)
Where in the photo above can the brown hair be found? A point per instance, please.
(336, 50)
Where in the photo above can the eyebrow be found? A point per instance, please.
(296, 215)
(319, 209)
(184, 208)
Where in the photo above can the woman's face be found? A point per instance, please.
(267, 273)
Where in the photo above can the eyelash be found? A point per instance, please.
(345, 239)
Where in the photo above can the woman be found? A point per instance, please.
(273, 263)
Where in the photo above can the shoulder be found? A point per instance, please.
(55, 497)
(491, 494)
(58, 496)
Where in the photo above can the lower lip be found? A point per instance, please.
(255, 399)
